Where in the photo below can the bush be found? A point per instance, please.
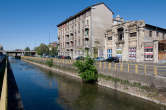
(87, 70)
(49, 62)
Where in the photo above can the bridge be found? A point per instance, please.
(19, 53)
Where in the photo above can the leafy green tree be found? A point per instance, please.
(42, 49)
(27, 49)
(53, 51)
(87, 70)
(1, 47)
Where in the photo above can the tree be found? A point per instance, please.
(42, 49)
(87, 70)
(53, 51)
(1, 47)
(27, 49)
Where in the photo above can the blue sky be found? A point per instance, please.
(28, 22)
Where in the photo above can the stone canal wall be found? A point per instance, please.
(10, 98)
(148, 87)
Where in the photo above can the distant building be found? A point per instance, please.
(84, 32)
(135, 41)
(54, 44)
(1, 47)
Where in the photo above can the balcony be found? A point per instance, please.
(120, 42)
(71, 38)
(67, 48)
(67, 38)
(67, 33)
(86, 26)
(71, 32)
(86, 37)
(86, 44)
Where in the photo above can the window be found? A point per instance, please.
(163, 35)
(134, 34)
(150, 33)
(110, 38)
(157, 34)
(87, 22)
(109, 53)
(86, 32)
(120, 34)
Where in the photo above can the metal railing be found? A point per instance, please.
(143, 69)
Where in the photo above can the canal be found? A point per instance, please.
(42, 89)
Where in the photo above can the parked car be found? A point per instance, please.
(80, 58)
(67, 57)
(99, 59)
(113, 59)
(61, 57)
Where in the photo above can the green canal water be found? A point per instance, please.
(42, 89)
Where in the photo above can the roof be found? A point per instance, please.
(82, 12)
(155, 28)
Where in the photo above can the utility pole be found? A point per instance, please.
(49, 37)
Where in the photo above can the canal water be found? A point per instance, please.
(42, 89)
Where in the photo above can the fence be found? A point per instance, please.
(143, 69)
(142, 73)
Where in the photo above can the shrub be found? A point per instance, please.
(87, 70)
(49, 62)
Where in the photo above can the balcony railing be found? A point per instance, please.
(86, 44)
(86, 26)
(71, 38)
(86, 36)
(67, 39)
(120, 42)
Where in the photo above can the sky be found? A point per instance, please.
(28, 22)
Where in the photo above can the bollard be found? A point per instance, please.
(115, 66)
(121, 67)
(136, 68)
(109, 66)
(155, 70)
(104, 65)
(128, 67)
(100, 65)
(145, 69)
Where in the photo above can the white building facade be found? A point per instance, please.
(135, 41)
(84, 32)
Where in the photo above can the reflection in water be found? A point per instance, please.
(44, 90)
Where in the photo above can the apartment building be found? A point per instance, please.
(135, 41)
(84, 32)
